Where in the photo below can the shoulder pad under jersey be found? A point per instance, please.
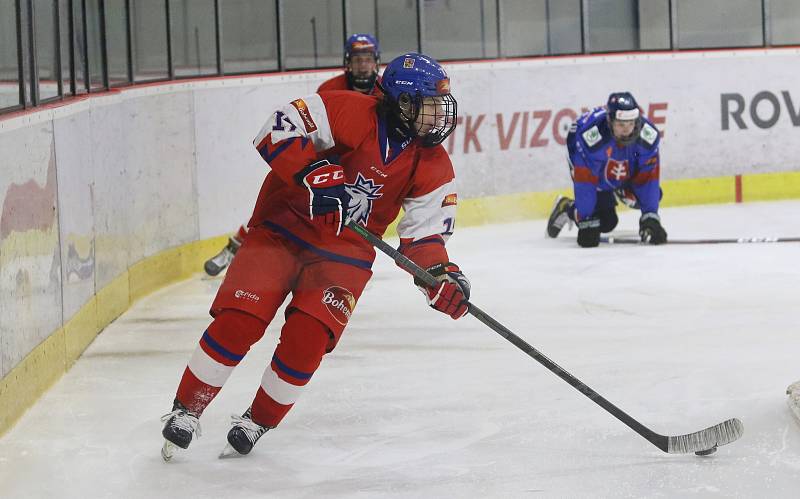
(592, 136)
(649, 134)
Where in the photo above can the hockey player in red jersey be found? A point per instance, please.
(334, 156)
(361, 60)
(362, 57)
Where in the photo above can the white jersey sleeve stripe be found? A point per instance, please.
(429, 214)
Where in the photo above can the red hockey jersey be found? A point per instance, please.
(340, 83)
(344, 127)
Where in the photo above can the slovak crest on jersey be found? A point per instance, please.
(617, 171)
(362, 193)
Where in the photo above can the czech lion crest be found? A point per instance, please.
(362, 193)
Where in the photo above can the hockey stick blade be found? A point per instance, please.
(739, 240)
(701, 442)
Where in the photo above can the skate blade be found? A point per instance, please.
(168, 450)
(229, 452)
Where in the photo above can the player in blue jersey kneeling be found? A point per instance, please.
(613, 154)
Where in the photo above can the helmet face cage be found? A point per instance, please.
(434, 118)
(419, 90)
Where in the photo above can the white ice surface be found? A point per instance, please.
(412, 404)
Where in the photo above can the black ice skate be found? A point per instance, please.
(221, 260)
(181, 424)
(243, 436)
(558, 217)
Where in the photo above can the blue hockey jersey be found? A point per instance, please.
(599, 163)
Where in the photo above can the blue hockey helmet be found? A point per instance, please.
(419, 89)
(359, 78)
(621, 106)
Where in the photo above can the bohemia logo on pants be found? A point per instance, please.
(340, 303)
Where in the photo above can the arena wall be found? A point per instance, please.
(106, 198)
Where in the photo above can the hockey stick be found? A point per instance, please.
(740, 240)
(701, 442)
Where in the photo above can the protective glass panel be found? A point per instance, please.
(625, 25)
(94, 43)
(540, 27)
(361, 17)
(732, 23)
(64, 34)
(79, 49)
(465, 29)
(654, 25)
(312, 33)
(117, 42)
(249, 36)
(397, 27)
(564, 27)
(194, 49)
(9, 68)
(784, 16)
(149, 35)
(46, 53)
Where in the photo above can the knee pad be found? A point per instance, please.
(304, 340)
(236, 331)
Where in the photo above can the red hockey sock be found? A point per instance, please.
(223, 345)
(299, 353)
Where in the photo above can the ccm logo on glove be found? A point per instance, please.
(333, 177)
(328, 199)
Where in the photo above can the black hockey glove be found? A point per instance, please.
(650, 229)
(589, 232)
(328, 198)
(451, 295)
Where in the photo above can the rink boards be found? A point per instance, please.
(108, 197)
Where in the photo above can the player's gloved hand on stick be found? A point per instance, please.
(328, 199)
(588, 232)
(650, 229)
(452, 293)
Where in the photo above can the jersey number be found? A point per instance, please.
(281, 120)
(449, 224)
